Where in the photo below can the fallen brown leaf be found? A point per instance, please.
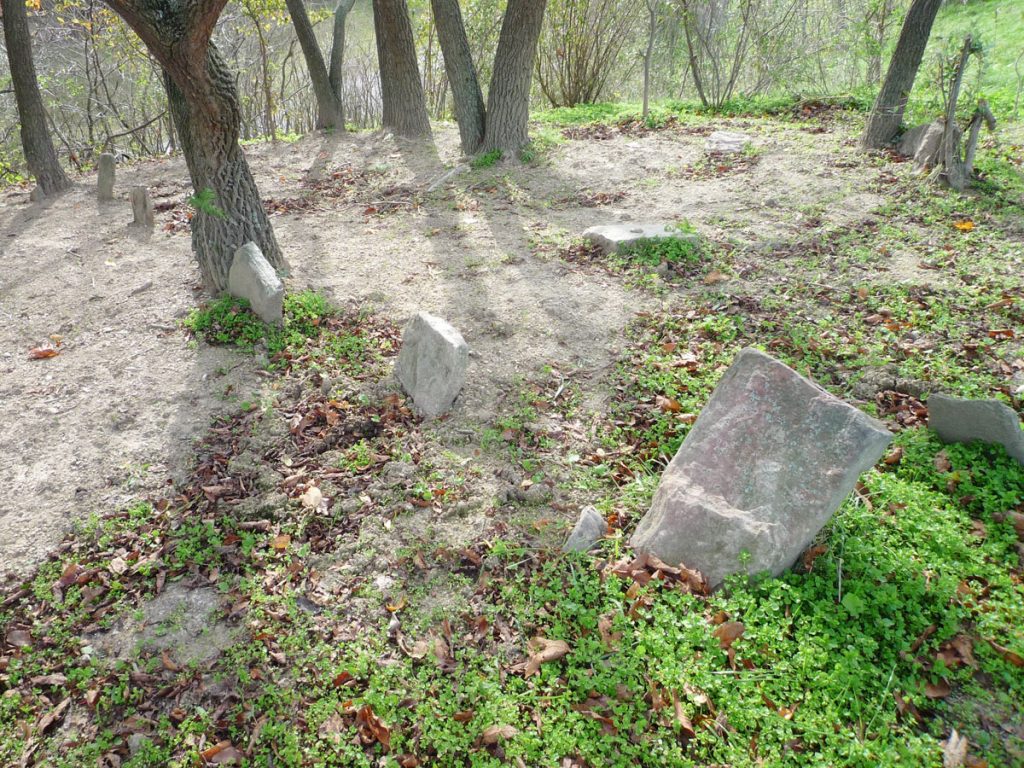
(542, 651)
(728, 633)
(492, 734)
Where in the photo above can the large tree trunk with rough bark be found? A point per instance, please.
(458, 64)
(887, 113)
(328, 103)
(338, 46)
(404, 107)
(35, 136)
(508, 100)
(204, 105)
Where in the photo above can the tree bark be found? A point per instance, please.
(328, 103)
(458, 65)
(207, 116)
(404, 107)
(338, 47)
(508, 100)
(40, 155)
(887, 113)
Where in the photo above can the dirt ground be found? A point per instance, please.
(116, 412)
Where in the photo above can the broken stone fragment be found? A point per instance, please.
(590, 529)
(432, 363)
(614, 238)
(990, 421)
(142, 207)
(726, 143)
(251, 277)
(767, 463)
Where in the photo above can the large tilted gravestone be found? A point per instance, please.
(142, 207)
(961, 421)
(432, 363)
(923, 143)
(105, 178)
(252, 277)
(769, 460)
(615, 238)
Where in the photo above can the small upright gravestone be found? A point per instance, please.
(432, 363)
(961, 421)
(614, 238)
(768, 461)
(252, 277)
(142, 207)
(105, 179)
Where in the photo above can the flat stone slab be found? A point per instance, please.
(769, 460)
(252, 277)
(432, 363)
(726, 142)
(183, 622)
(614, 238)
(961, 421)
(590, 529)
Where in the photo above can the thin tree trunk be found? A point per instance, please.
(338, 47)
(404, 106)
(40, 155)
(458, 64)
(508, 100)
(887, 114)
(329, 109)
(652, 10)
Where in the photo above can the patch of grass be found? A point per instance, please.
(486, 159)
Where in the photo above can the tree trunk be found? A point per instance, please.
(328, 103)
(338, 48)
(508, 100)
(887, 113)
(35, 136)
(458, 64)
(404, 107)
(652, 28)
(208, 134)
(207, 117)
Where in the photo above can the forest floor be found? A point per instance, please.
(263, 555)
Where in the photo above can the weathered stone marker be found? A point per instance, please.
(769, 460)
(614, 238)
(432, 363)
(923, 143)
(961, 421)
(105, 178)
(142, 207)
(251, 277)
(726, 143)
(590, 529)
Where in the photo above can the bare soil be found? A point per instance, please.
(115, 413)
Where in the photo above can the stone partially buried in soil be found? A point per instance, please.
(726, 143)
(590, 529)
(432, 363)
(614, 238)
(961, 421)
(767, 463)
(253, 278)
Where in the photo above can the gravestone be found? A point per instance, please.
(923, 143)
(142, 207)
(961, 421)
(726, 143)
(590, 529)
(252, 277)
(105, 177)
(432, 363)
(614, 238)
(767, 463)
